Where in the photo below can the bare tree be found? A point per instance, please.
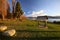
(13, 7)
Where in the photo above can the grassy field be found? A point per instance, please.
(29, 25)
(30, 29)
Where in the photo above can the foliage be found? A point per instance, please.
(18, 10)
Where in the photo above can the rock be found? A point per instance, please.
(3, 28)
(11, 32)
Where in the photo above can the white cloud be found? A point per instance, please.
(37, 13)
(54, 14)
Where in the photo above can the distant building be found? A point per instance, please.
(42, 18)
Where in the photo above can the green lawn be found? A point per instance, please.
(30, 29)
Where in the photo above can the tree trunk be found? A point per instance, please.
(3, 17)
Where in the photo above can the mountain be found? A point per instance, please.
(54, 17)
(32, 18)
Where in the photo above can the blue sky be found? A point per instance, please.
(38, 7)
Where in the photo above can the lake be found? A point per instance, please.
(49, 19)
(52, 20)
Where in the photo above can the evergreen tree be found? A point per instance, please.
(18, 10)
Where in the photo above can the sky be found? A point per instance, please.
(40, 7)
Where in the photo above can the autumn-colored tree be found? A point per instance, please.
(0, 9)
(3, 8)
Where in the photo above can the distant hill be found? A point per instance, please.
(55, 17)
(32, 18)
(52, 17)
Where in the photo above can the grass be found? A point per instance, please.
(30, 29)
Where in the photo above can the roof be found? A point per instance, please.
(42, 17)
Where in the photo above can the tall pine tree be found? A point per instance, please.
(18, 10)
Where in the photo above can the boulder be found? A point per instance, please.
(3, 28)
(11, 32)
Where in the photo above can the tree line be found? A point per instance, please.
(17, 11)
(16, 14)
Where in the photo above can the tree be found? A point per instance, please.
(0, 9)
(8, 11)
(13, 7)
(18, 10)
(3, 8)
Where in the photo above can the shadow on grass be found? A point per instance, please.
(2, 37)
(18, 38)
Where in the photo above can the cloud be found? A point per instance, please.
(37, 13)
(54, 14)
